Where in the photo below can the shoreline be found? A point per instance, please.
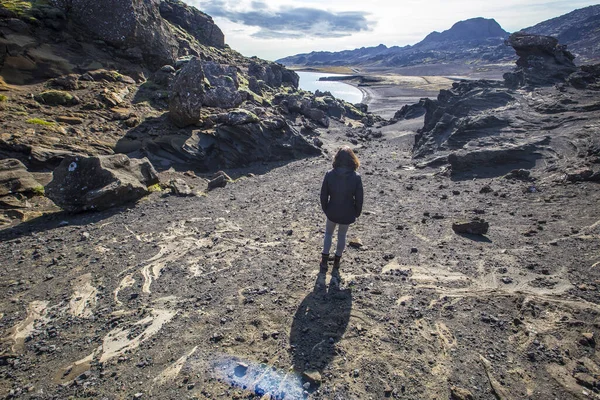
(386, 90)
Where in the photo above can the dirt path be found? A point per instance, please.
(219, 296)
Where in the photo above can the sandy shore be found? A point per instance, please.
(394, 91)
(407, 85)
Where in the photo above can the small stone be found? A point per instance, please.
(314, 377)
(414, 250)
(355, 243)
(85, 236)
(486, 189)
(476, 226)
(588, 339)
(138, 395)
(586, 380)
(507, 279)
(356, 373)
(457, 393)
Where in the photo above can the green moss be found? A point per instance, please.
(155, 188)
(39, 191)
(55, 98)
(3, 98)
(38, 121)
(22, 8)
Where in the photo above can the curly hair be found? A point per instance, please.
(345, 157)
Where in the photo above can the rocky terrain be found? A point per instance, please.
(579, 30)
(473, 272)
(471, 46)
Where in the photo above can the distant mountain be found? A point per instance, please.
(579, 30)
(476, 38)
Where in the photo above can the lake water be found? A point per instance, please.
(310, 81)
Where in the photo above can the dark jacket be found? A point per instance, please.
(342, 195)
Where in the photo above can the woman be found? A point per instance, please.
(341, 200)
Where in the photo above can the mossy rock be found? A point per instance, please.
(23, 8)
(39, 121)
(56, 98)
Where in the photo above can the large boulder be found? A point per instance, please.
(131, 25)
(187, 94)
(201, 84)
(542, 61)
(223, 86)
(195, 22)
(273, 75)
(98, 183)
(14, 178)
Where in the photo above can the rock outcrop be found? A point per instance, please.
(136, 27)
(202, 85)
(98, 183)
(579, 29)
(187, 95)
(486, 128)
(16, 184)
(542, 61)
(195, 22)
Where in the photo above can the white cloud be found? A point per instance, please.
(273, 29)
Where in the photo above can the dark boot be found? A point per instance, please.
(336, 262)
(324, 260)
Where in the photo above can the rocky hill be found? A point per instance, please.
(579, 30)
(476, 40)
(150, 79)
(473, 39)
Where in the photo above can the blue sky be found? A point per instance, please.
(273, 29)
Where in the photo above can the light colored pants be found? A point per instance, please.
(341, 239)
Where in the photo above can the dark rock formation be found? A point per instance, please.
(273, 75)
(579, 30)
(476, 226)
(542, 61)
(487, 129)
(223, 86)
(202, 84)
(187, 95)
(193, 21)
(179, 187)
(410, 111)
(14, 178)
(134, 26)
(461, 114)
(587, 77)
(98, 183)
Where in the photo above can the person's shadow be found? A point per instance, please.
(320, 322)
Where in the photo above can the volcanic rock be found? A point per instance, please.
(410, 111)
(14, 178)
(180, 187)
(187, 95)
(128, 25)
(476, 226)
(193, 21)
(542, 61)
(97, 183)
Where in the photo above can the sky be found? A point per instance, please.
(273, 29)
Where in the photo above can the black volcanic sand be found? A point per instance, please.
(219, 296)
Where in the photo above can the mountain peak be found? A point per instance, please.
(471, 29)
